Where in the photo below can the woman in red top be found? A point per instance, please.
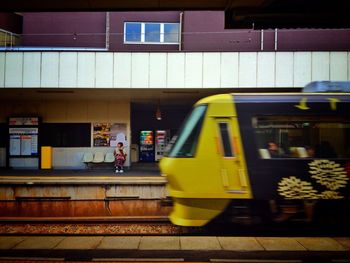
(120, 157)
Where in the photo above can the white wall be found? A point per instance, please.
(71, 112)
(170, 70)
(71, 158)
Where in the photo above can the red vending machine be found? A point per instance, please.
(162, 139)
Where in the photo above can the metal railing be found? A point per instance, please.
(9, 39)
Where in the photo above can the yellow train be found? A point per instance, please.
(282, 152)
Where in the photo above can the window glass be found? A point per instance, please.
(152, 32)
(171, 33)
(186, 143)
(302, 137)
(133, 32)
(66, 134)
(225, 139)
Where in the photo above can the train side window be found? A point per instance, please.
(302, 136)
(226, 141)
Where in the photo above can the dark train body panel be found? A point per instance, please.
(270, 177)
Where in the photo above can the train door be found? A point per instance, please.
(231, 168)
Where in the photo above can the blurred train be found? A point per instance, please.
(279, 155)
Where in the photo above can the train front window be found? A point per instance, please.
(302, 136)
(186, 142)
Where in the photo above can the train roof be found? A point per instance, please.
(315, 91)
(292, 97)
(327, 86)
(274, 97)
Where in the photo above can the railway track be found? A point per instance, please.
(91, 228)
(161, 227)
(131, 217)
(86, 217)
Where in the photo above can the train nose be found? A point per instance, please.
(164, 166)
(168, 170)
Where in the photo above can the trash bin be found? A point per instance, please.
(46, 157)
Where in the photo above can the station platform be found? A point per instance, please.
(135, 170)
(141, 180)
(176, 248)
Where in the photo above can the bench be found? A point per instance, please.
(98, 158)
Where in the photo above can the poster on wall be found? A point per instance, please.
(101, 134)
(27, 121)
(109, 134)
(26, 145)
(23, 141)
(34, 144)
(15, 144)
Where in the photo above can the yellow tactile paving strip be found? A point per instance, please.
(176, 243)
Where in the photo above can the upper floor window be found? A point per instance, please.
(151, 33)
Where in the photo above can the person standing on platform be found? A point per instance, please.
(120, 157)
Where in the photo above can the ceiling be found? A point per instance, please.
(238, 13)
(141, 96)
(146, 96)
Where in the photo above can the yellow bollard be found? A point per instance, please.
(46, 157)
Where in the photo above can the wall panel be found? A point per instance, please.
(49, 69)
(247, 69)
(14, 69)
(176, 70)
(266, 69)
(302, 68)
(211, 70)
(86, 70)
(54, 111)
(97, 111)
(68, 69)
(157, 70)
(122, 70)
(77, 112)
(140, 70)
(31, 69)
(229, 69)
(284, 69)
(2, 69)
(194, 70)
(320, 66)
(338, 66)
(104, 70)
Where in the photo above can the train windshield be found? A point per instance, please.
(302, 136)
(186, 142)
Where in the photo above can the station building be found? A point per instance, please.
(81, 82)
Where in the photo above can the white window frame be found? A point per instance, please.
(143, 33)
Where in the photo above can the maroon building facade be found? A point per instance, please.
(199, 31)
(78, 29)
